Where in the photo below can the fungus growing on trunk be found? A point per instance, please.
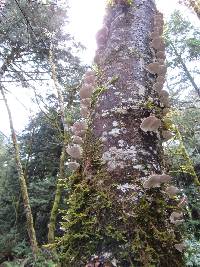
(150, 123)
(160, 79)
(154, 34)
(161, 54)
(73, 166)
(153, 67)
(75, 151)
(176, 218)
(164, 98)
(171, 191)
(84, 111)
(77, 139)
(89, 77)
(79, 128)
(101, 36)
(159, 30)
(180, 246)
(156, 180)
(86, 91)
(152, 182)
(157, 87)
(164, 178)
(86, 102)
(158, 44)
(167, 135)
(165, 111)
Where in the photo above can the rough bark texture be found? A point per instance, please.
(22, 182)
(59, 184)
(110, 214)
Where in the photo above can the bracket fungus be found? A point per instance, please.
(161, 54)
(152, 182)
(159, 29)
(84, 111)
(162, 70)
(161, 61)
(89, 77)
(176, 218)
(158, 21)
(165, 111)
(163, 94)
(101, 36)
(73, 166)
(86, 102)
(154, 34)
(157, 87)
(167, 135)
(160, 79)
(153, 68)
(79, 128)
(164, 98)
(165, 178)
(158, 44)
(75, 151)
(77, 139)
(86, 91)
(180, 246)
(89, 73)
(172, 191)
(156, 180)
(157, 68)
(150, 123)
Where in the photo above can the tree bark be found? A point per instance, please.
(111, 214)
(61, 177)
(22, 181)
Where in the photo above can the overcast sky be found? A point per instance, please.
(86, 18)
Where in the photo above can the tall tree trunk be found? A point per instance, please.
(61, 176)
(114, 211)
(22, 181)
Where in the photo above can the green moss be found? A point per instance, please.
(97, 92)
(112, 2)
(97, 220)
(185, 163)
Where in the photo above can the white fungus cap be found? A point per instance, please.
(150, 123)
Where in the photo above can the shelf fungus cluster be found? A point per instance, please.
(153, 123)
(79, 127)
(156, 180)
(101, 39)
(176, 217)
(150, 123)
(158, 68)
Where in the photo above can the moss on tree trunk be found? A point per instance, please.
(110, 213)
(22, 181)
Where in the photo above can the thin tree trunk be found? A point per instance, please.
(111, 214)
(182, 63)
(22, 181)
(61, 176)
